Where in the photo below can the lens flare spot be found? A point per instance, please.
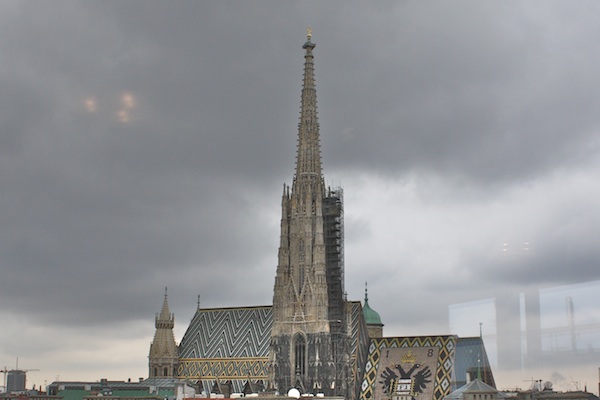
(123, 116)
(91, 104)
(128, 100)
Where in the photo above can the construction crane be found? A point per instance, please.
(4, 371)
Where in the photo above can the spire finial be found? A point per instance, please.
(309, 32)
(165, 314)
(198, 302)
(366, 294)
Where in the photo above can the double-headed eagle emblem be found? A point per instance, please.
(398, 382)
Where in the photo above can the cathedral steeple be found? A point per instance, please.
(164, 356)
(308, 159)
(308, 338)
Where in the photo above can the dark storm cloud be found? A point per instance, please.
(102, 207)
(511, 95)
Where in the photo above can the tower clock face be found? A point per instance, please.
(406, 373)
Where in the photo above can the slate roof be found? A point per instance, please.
(475, 386)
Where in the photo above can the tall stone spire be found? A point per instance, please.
(308, 339)
(301, 289)
(164, 355)
(308, 159)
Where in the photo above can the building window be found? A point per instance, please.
(165, 371)
(301, 251)
(300, 355)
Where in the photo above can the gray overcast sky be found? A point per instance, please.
(145, 144)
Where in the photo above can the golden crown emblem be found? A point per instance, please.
(408, 358)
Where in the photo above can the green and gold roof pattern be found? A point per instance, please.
(417, 367)
(223, 368)
(228, 333)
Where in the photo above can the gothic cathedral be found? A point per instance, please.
(312, 338)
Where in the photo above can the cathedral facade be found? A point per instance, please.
(312, 338)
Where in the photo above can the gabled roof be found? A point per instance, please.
(228, 332)
(475, 386)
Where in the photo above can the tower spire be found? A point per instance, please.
(372, 318)
(308, 159)
(163, 357)
(309, 342)
(165, 315)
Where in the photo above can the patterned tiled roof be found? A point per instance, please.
(430, 356)
(228, 332)
(226, 344)
(359, 344)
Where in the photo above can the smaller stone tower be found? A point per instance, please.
(372, 318)
(164, 355)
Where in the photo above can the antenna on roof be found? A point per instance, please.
(479, 354)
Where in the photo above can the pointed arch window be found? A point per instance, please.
(301, 278)
(301, 250)
(299, 355)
